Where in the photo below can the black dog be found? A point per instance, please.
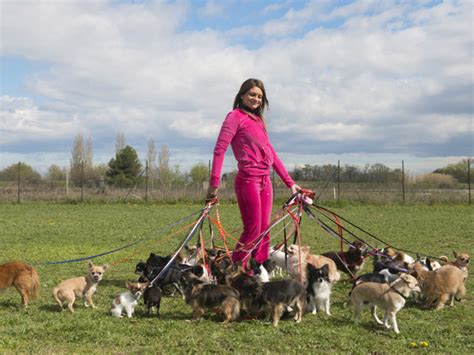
(203, 296)
(152, 298)
(150, 269)
(276, 296)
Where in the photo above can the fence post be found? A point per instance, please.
(403, 181)
(19, 181)
(82, 180)
(338, 179)
(146, 181)
(469, 178)
(67, 182)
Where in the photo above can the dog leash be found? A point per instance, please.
(163, 229)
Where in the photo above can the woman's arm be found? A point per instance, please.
(228, 131)
(282, 172)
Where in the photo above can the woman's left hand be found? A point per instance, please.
(295, 188)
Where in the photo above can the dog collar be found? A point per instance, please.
(396, 291)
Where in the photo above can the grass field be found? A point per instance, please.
(41, 232)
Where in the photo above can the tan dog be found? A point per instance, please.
(83, 287)
(461, 261)
(390, 297)
(21, 276)
(440, 286)
(318, 261)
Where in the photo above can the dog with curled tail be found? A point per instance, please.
(23, 277)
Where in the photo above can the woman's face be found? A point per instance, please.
(252, 98)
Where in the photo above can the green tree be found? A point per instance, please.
(199, 173)
(457, 170)
(27, 173)
(56, 173)
(125, 168)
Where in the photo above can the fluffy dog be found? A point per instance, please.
(127, 301)
(349, 261)
(150, 269)
(23, 277)
(390, 297)
(84, 287)
(249, 288)
(317, 261)
(203, 296)
(276, 296)
(440, 286)
(319, 288)
(461, 261)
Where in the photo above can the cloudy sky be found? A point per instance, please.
(365, 81)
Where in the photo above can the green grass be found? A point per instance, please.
(40, 232)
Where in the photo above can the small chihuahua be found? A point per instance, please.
(128, 300)
(83, 287)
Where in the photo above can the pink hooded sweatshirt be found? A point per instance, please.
(251, 146)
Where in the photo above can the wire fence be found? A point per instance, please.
(148, 189)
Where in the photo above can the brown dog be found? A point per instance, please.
(318, 261)
(23, 277)
(390, 297)
(83, 287)
(204, 296)
(440, 286)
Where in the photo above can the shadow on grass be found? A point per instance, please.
(50, 308)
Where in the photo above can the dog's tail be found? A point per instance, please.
(444, 258)
(34, 283)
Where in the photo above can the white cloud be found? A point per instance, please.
(390, 74)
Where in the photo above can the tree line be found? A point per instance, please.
(125, 169)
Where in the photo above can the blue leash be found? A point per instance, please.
(164, 229)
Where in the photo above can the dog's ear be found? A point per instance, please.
(325, 269)
(90, 264)
(105, 266)
(127, 284)
(428, 264)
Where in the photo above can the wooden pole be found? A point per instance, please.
(146, 181)
(19, 181)
(403, 181)
(338, 179)
(82, 180)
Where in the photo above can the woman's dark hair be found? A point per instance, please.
(246, 86)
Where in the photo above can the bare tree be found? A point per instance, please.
(77, 159)
(164, 172)
(119, 142)
(151, 156)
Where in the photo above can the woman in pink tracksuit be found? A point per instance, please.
(244, 129)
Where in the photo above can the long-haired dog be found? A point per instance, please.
(390, 297)
(83, 287)
(461, 260)
(276, 296)
(155, 263)
(23, 277)
(349, 261)
(440, 286)
(304, 253)
(249, 288)
(127, 301)
(203, 296)
(319, 288)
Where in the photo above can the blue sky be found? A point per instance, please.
(357, 81)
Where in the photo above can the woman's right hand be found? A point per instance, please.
(211, 194)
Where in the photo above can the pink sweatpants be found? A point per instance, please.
(255, 199)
